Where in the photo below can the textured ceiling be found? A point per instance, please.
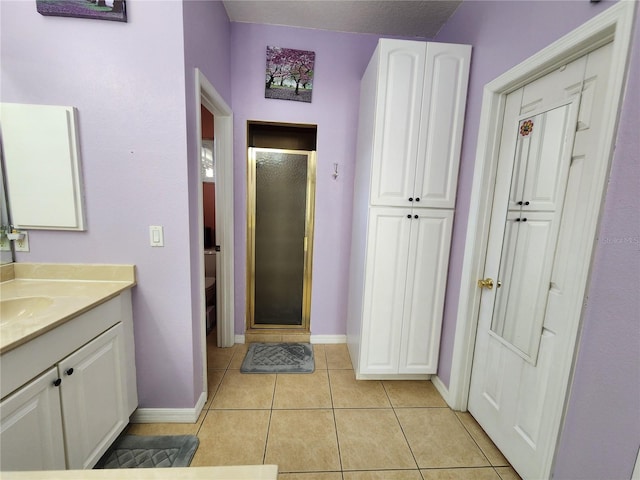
(412, 18)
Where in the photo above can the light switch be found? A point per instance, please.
(156, 237)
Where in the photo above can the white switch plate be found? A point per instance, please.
(156, 236)
(22, 244)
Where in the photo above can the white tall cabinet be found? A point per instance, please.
(412, 104)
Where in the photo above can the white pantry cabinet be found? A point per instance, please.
(69, 415)
(412, 103)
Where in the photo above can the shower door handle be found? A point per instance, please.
(217, 248)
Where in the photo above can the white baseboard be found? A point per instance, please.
(442, 389)
(239, 339)
(169, 415)
(328, 339)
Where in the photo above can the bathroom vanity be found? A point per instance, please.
(67, 363)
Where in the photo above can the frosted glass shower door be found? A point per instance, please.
(280, 232)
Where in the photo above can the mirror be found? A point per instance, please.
(208, 161)
(43, 177)
(540, 171)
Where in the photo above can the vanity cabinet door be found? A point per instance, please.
(31, 427)
(93, 397)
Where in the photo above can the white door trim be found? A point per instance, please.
(615, 24)
(207, 95)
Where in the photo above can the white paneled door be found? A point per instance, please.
(527, 323)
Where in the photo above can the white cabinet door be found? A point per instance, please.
(31, 427)
(397, 121)
(93, 397)
(425, 287)
(385, 276)
(441, 122)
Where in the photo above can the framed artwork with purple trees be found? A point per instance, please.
(289, 74)
(115, 10)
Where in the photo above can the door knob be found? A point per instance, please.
(486, 283)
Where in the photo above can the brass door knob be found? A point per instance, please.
(486, 283)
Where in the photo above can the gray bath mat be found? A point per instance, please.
(279, 358)
(141, 451)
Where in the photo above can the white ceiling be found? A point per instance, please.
(407, 18)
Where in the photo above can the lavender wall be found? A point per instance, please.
(602, 431)
(207, 35)
(601, 434)
(340, 62)
(127, 81)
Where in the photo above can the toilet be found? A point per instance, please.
(210, 290)
(210, 287)
(210, 276)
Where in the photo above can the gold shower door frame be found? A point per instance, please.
(308, 238)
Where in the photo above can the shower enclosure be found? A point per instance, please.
(280, 206)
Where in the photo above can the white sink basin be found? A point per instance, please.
(16, 308)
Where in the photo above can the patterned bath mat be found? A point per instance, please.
(279, 358)
(141, 451)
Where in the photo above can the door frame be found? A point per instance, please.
(616, 25)
(208, 96)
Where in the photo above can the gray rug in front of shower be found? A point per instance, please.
(279, 358)
(142, 451)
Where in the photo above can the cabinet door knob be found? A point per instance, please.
(520, 203)
(415, 216)
(69, 371)
(526, 203)
(57, 382)
(408, 215)
(411, 199)
(524, 219)
(417, 199)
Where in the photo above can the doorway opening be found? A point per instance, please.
(280, 216)
(208, 179)
(222, 154)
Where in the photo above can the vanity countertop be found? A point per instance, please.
(248, 472)
(36, 298)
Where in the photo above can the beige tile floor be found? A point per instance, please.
(329, 426)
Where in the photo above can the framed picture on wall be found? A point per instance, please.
(115, 10)
(289, 74)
